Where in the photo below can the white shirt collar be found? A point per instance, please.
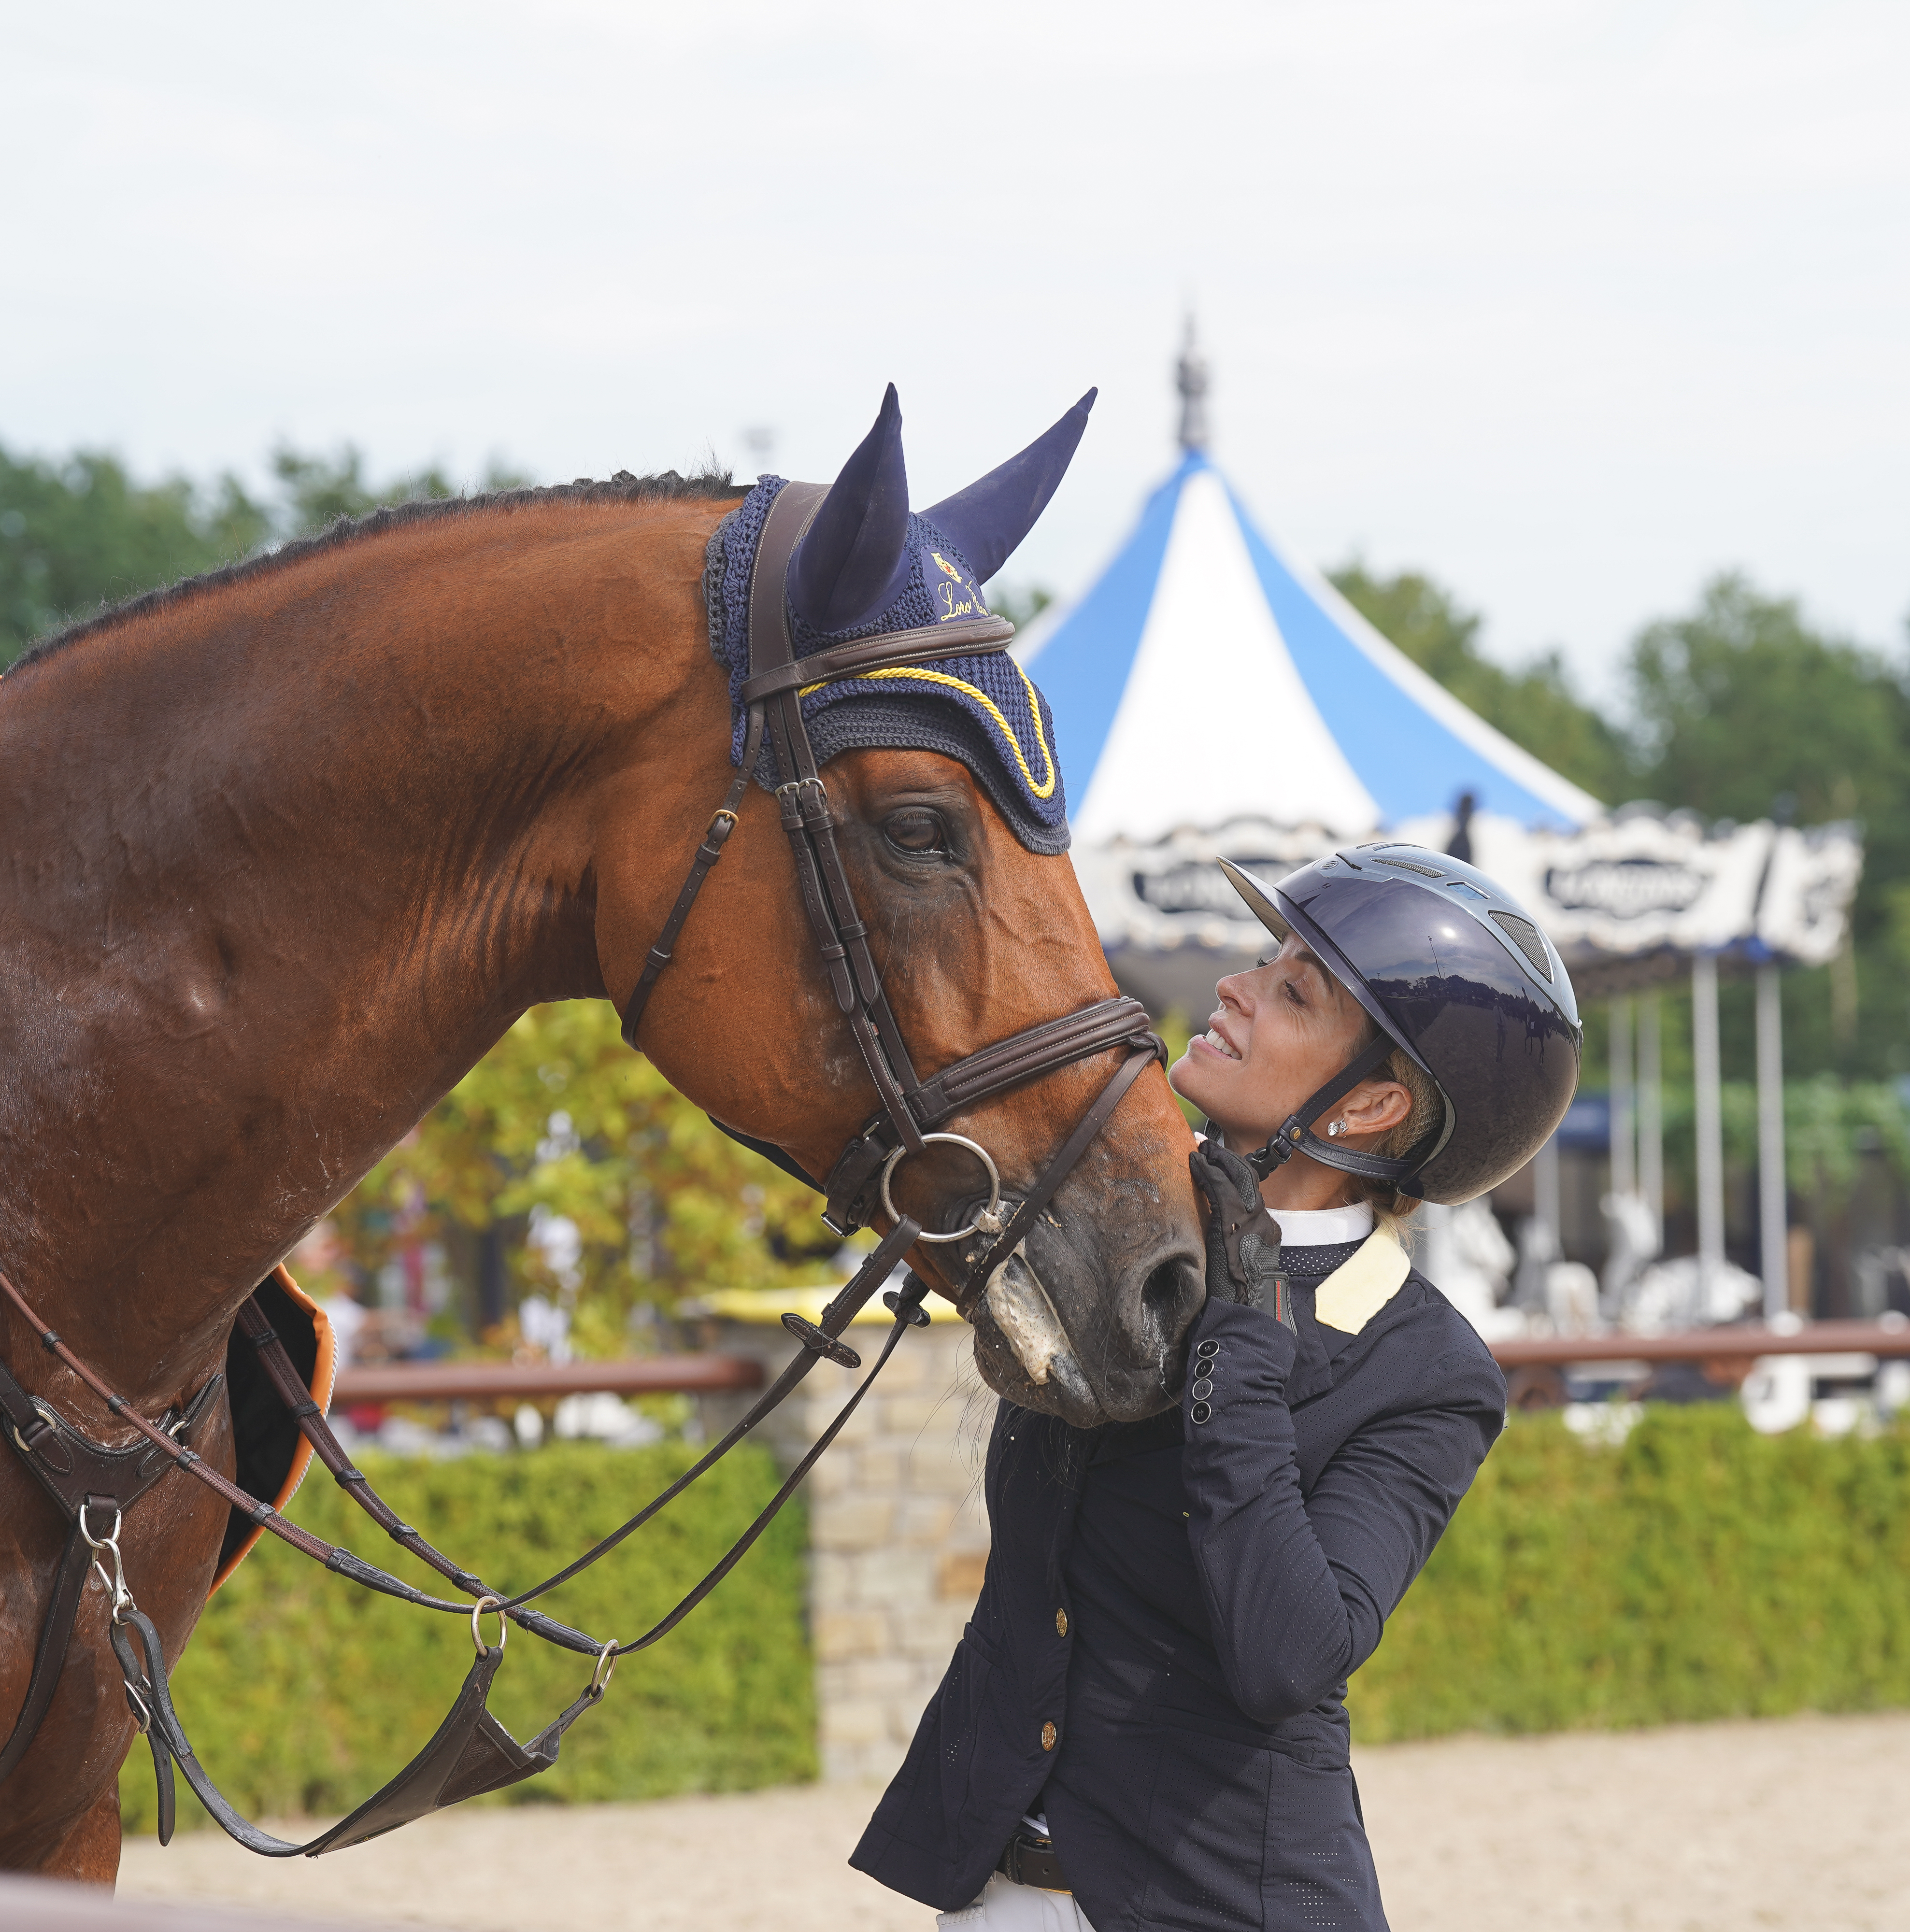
(1323, 1227)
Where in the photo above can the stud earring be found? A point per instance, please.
(1336, 1128)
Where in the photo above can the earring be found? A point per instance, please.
(1336, 1128)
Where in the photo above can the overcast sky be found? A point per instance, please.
(1570, 305)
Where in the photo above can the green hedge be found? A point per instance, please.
(302, 1694)
(1700, 1571)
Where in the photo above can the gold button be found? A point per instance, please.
(1048, 1737)
(1061, 1623)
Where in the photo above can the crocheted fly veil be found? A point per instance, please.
(869, 566)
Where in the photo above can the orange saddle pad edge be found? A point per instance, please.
(265, 1450)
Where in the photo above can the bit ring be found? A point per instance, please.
(606, 1664)
(478, 1610)
(980, 1153)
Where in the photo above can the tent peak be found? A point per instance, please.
(1191, 379)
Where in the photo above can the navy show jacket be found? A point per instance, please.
(1172, 1608)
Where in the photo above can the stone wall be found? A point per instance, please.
(898, 1532)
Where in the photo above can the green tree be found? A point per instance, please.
(1020, 604)
(1535, 707)
(1741, 709)
(561, 1116)
(77, 531)
(317, 491)
(1741, 704)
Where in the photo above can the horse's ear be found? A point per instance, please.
(987, 520)
(852, 561)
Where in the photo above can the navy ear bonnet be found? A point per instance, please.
(983, 711)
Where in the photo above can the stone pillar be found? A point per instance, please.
(899, 1536)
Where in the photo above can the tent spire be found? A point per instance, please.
(1190, 379)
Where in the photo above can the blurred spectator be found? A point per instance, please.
(320, 1266)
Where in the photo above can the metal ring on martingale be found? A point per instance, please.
(111, 1539)
(980, 1153)
(606, 1664)
(478, 1610)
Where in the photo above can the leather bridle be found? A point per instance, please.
(471, 1752)
(913, 1112)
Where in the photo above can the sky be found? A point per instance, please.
(1570, 305)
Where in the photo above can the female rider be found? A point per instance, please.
(1144, 1725)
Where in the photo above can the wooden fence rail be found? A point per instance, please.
(512, 1382)
(729, 1375)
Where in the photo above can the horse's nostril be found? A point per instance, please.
(1164, 1289)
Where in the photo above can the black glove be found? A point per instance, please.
(1243, 1239)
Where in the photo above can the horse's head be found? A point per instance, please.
(940, 827)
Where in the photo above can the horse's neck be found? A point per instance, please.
(283, 860)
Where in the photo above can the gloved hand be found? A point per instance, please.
(1243, 1239)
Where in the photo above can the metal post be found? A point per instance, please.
(1624, 1144)
(1772, 1221)
(1651, 1114)
(1710, 1130)
(1545, 1208)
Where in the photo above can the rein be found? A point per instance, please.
(471, 1752)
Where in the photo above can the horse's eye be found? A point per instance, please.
(916, 829)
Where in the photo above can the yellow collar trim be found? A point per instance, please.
(1358, 1288)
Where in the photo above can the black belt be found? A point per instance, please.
(1030, 1859)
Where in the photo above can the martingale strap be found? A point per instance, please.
(86, 1481)
(471, 1752)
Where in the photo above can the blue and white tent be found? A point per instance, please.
(1210, 676)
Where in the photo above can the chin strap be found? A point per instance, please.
(1296, 1136)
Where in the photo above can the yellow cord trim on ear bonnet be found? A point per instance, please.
(1045, 789)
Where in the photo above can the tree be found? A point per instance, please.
(76, 531)
(1021, 605)
(1742, 709)
(1742, 704)
(561, 1118)
(1535, 707)
(317, 491)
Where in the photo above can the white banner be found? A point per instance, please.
(1627, 887)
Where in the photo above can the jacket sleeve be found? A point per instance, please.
(1298, 1590)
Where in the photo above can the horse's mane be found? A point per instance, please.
(708, 485)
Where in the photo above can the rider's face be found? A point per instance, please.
(1280, 1033)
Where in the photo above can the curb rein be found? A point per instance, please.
(471, 1752)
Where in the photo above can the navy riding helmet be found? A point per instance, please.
(1457, 975)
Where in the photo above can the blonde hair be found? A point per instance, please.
(1391, 1207)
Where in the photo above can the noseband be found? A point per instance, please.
(913, 1111)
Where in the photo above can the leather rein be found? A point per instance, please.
(471, 1752)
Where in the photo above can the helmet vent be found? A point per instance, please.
(1527, 937)
(1408, 865)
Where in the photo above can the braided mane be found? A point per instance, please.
(707, 486)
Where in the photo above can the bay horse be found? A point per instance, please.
(289, 847)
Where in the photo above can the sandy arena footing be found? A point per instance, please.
(1797, 1823)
